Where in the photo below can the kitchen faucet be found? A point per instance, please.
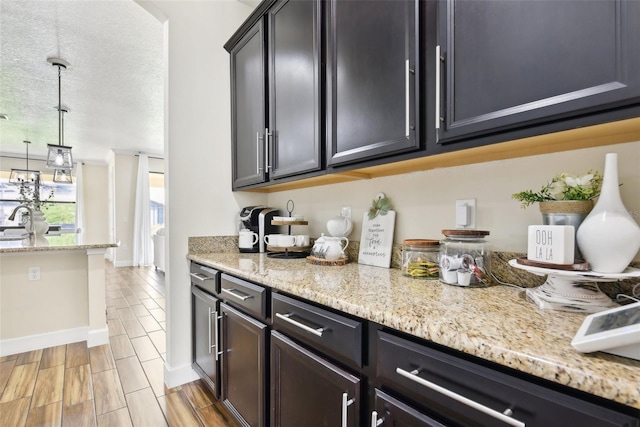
(31, 228)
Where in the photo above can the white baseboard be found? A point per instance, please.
(128, 263)
(173, 377)
(98, 337)
(38, 341)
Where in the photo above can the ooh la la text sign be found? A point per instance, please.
(552, 244)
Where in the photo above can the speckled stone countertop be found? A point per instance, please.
(64, 242)
(494, 323)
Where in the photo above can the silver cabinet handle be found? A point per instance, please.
(346, 402)
(413, 376)
(209, 308)
(217, 319)
(234, 293)
(375, 422)
(200, 276)
(406, 96)
(267, 134)
(437, 87)
(287, 318)
(258, 168)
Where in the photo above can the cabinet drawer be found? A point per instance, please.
(336, 335)
(458, 391)
(205, 278)
(244, 295)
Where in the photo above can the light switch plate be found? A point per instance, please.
(466, 213)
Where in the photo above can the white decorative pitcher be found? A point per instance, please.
(609, 238)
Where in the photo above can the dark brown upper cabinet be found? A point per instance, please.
(275, 95)
(294, 88)
(248, 108)
(504, 65)
(371, 92)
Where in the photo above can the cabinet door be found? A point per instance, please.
(307, 390)
(390, 412)
(205, 339)
(510, 64)
(294, 88)
(248, 108)
(243, 366)
(371, 69)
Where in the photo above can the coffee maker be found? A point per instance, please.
(258, 219)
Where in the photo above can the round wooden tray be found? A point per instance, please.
(274, 222)
(578, 265)
(289, 249)
(320, 261)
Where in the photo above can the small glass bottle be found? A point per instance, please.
(420, 258)
(465, 258)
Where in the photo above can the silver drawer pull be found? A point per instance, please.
(375, 422)
(287, 318)
(346, 402)
(234, 293)
(413, 376)
(200, 276)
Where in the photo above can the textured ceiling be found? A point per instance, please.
(113, 86)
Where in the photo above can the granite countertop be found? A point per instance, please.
(495, 323)
(63, 242)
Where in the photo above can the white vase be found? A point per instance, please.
(40, 225)
(609, 238)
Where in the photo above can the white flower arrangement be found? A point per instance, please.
(564, 186)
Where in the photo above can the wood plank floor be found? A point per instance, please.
(119, 384)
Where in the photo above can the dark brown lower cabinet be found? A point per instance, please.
(205, 318)
(243, 366)
(390, 412)
(309, 391)
(458, 392)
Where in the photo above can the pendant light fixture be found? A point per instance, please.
(62, 176)
(24, 176)
(59, 156)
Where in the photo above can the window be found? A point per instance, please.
(59, 210)
(156, 199)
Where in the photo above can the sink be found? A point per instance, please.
(14, 234)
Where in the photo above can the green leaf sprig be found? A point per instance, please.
(381, 205)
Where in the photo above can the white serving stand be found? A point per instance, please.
(569, 290)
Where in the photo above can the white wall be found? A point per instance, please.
(197, 149)
(56, 302)
(96, 204)
(425, 201)
(125, 170)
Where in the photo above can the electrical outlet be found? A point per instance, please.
(466, 213)
(346, 211)
(34, 273)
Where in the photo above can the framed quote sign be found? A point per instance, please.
(376, 240)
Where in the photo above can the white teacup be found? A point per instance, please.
(273, 239)
(302, 240)
(287, 241)
(247, 238)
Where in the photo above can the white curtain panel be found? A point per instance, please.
(80, 228)
(142, 243)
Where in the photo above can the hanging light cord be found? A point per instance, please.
(59, 106)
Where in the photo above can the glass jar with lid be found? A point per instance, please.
(465, 258)
(420, 258)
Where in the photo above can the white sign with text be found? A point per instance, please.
(551, 244)
(376, 240)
